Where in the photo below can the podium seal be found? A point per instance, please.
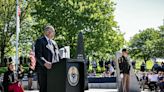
(73, 76)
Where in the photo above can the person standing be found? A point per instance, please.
(46, 53)
(124, 67)
(155, 67)
(143, 67)
(20, 73)
(31, 69)
(106, 65)
(101, 64)
(87, 63)
(134, 64)
(94, 66)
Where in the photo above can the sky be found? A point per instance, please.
(135, 15)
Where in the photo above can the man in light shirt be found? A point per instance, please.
(153, 79)
(111, 70)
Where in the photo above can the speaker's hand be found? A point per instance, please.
(48, 65)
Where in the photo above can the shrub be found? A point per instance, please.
(3, 70)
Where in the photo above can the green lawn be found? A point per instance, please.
(4, 69)
(149, 65)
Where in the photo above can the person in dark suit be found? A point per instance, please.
(124, 67)
(46, 53)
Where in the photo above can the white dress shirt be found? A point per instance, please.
(51, 44)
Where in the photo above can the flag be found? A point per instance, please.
(19, 11)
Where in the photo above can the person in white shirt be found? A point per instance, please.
(153, 79)
(111, 70)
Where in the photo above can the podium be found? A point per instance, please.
(66, 76)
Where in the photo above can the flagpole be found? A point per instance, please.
(17, 34)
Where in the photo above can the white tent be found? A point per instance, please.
(159, 59)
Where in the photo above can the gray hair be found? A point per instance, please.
(49, 27)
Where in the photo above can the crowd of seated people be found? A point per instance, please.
(107, 68)
(153, 79)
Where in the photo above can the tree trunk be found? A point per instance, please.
(2, 57)
(145, 60)
(2, 51)
(2, 44)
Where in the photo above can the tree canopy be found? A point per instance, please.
(95, 18)
(147, 44)
(8, 26)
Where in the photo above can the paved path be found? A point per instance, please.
(92, 90)
(134, 84)
(97, 90)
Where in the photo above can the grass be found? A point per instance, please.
(149, 65)
(4, 69)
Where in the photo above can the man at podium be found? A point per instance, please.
(46, 53)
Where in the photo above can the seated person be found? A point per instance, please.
(111, 70)
(106, 74)
(144, 80)
(161, 81)
(10, 81)
(153, 79)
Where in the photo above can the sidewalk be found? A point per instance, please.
(96, 90)
(92, 90)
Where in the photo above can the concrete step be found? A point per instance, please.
(103, 85)
(95, 90)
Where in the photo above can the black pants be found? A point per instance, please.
(42, 80)
(152, 85)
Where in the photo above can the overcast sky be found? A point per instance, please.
(135, 15)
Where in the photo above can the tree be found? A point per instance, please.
(94, 18)
(142, 45)
(159, 44)
(7, 20)
(8, 24)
